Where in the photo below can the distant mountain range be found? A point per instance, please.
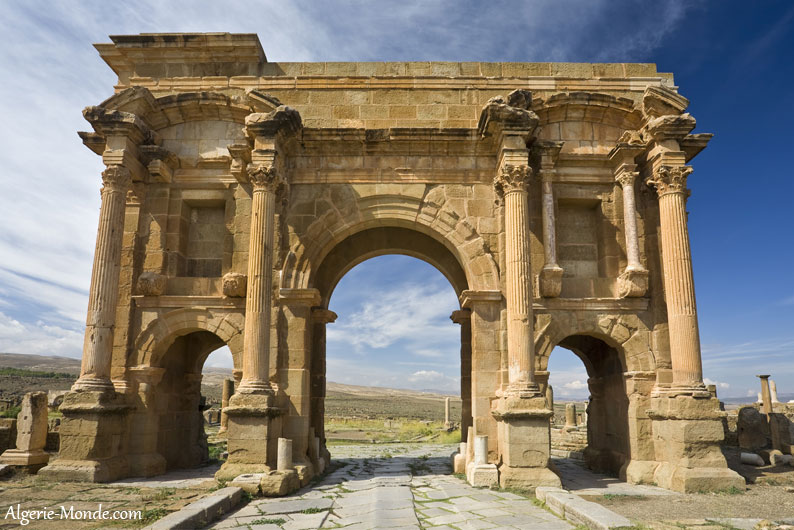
(214, 377)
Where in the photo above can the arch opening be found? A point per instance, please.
(374, 242)
(180, 402)
(601, 433)
(393, 330)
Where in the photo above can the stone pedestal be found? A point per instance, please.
(254, 427)
(94, 440)
(687, 433)
(29, 454)
(526, 443)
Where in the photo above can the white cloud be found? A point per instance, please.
(50, 182)
(38, 338)
(718, 384)
(575, 385)
(417, 314)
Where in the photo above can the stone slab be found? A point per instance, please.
(201, 512)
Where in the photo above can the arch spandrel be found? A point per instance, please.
(313, 241)
(153, 342)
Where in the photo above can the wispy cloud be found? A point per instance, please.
(50, 182)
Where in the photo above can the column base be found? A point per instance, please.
(550, 282)
(27, 461)
(633, 283)
(93, 384)
(687, 434)
(482, 475)
(639, 471)
(94, 434)
(527, 478)
(525, 444)
(253, 429)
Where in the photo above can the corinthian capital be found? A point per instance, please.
(625, 177)
(670, 179)
(116, 178)
(265, 178)
(512, 178)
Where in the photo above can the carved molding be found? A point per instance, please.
(512, 178)
(626, 178)
(549, 282)
(234, 284)
(116, 178)
(633, 283)
(670, 179)
(265, 178)
(151, 284)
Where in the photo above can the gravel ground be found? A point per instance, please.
(769, 495)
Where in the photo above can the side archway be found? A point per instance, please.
(160, 334)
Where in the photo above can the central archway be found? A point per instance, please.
(355, 249)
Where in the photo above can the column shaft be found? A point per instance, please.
(549, 228)
(103, 293)
(678, 281)
(512, 183)
(630, 222)
(256, 342)
(463, 317)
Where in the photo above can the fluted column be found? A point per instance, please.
(103, 294)
(670, 183)
(256, 343)
(463, 317)
(512, 183)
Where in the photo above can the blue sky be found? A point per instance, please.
(732, 59)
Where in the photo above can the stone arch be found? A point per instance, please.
(160, 334)
(626, 333)
(418, 212)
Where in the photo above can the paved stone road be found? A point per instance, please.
(396, 486)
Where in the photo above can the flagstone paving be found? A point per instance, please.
(395, 486)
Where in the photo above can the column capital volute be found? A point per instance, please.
(626, 174)
(116, 178)
(512, 179)
(669, 179)
(283, 120)
(509, 115)
(469, 298)
(265, 177)
(461, 316)
(322, 315)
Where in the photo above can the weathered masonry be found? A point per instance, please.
(239, 191)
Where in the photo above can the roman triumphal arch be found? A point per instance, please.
(237, 192)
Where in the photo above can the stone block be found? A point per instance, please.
(483, 475)
(279, 483)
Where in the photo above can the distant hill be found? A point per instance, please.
(341, 400)
(40, 363)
